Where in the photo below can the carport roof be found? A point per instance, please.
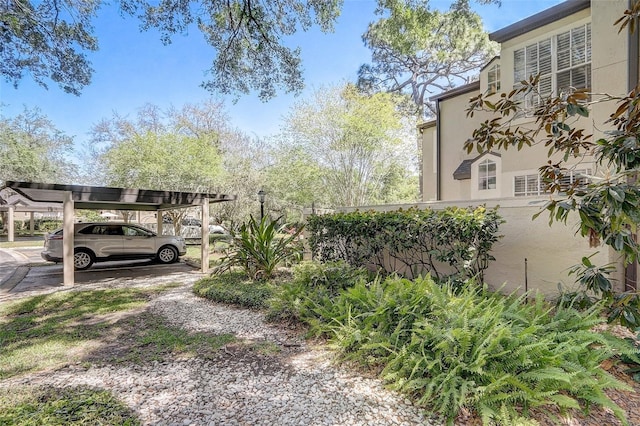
(108, 198)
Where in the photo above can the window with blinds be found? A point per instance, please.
(527, 185)
(574, 58)
(533, 60)
(531, 185)
(563, 62)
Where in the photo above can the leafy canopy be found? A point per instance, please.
(32, 149)
(50, 39)
(418, 51)
(353, 142)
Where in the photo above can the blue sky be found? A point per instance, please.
(133, 68)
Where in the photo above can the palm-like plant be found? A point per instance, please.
(260, 247)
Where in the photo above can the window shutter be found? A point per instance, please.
(544, 51)
(519, 186)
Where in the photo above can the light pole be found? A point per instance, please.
(261, 196)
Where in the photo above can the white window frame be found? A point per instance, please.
(524, 66)
(579, 56)
(536, 188)
(493, 78)
(485, 175)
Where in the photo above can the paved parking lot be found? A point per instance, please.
(23, 271)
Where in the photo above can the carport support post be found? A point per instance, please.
(204, 254)
(67, 240)
(159, 223)
(11, 229)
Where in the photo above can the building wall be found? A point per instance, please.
(550, 251)
(428, 139)
(609, 67)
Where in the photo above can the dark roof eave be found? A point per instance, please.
(427, 124)
(461, 90)
(540, 19)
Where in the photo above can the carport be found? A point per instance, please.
(107, 198)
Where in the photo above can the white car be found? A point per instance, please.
(102, 241)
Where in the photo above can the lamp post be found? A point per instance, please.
(261, 196)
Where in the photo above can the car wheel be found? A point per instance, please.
(167, 254)
(83, 259)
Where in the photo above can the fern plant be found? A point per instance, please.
(502, 357)
(466, 348)
(260, 247)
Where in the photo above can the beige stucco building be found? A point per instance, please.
(572, 44)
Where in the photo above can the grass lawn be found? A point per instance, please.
(22, 243)
(193, 254)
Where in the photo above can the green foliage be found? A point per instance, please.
(47, 41)
(39, 225)
(314, 285)
(594, 278)
(633, 359)
(449, 243)
(65, 406)
(418, 50)
(466, 348)
(358, 144)
(90, 216)
(260, 247)
(163, 161)
(219, 240)
(47, 225)
(33, 150)
(596, 284)
(235, 288)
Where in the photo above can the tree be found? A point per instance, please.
(244, 164)
(420, 51)
(32, 149)
(607, 206)
(47, 40)
(169, 150)
(230, 163)
(355, 139)
(50, 39)
(163, 161)
(294, 180)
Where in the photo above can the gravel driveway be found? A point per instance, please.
(299, 385)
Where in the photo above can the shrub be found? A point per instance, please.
(453, 242)
(313, 285)
(260, 247)
(234, 288)
(595, 284)
(48, 225)
(467, 348)
(501, 357)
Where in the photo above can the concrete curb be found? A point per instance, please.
(19, 257)
(14, 279)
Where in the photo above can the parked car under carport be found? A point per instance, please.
(105, 241)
